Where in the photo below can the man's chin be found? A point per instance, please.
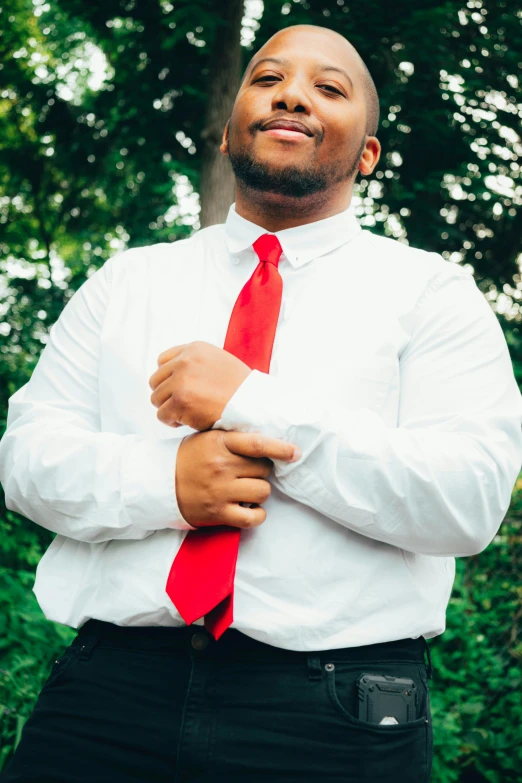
(277, 166)
(282, 191)
(286, 181)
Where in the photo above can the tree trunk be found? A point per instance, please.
(217, 186)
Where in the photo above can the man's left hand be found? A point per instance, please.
(193, 384)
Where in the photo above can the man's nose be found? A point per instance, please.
(292, 97)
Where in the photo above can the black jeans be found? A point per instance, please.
(169, 705)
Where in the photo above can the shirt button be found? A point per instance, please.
(200, 641)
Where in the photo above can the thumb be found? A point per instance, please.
(253, 444)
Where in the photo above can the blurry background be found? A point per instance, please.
(111, 114)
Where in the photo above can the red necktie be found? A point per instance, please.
(201, 579)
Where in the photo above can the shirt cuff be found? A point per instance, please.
(149, 485)
(255, 406)
(264, 404)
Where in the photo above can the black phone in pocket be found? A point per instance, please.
(386, 700)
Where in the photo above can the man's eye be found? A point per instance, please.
(330, 87)
(269, 78)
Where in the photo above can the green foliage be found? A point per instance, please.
(87, 169)
(29, 644)
(477, 708)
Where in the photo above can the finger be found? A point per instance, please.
(170, 353)
(160, 375)
(253, 444)
(250, 467)
(161, 394)
(168, 414)
(249, 490)
(242, 517)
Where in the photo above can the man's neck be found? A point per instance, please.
(275, 212)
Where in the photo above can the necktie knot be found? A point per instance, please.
(268, 248)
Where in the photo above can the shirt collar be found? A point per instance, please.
(300, 244)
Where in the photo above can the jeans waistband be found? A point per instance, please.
(233, 644)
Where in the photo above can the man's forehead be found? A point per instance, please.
(324, 49)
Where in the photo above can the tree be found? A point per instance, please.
(217, 182)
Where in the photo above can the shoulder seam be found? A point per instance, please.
(435, 281)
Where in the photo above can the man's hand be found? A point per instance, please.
(218, 470)
(193, 384)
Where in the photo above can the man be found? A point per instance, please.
(329, 455)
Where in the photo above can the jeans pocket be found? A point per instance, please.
(394, 752)
(60, 666)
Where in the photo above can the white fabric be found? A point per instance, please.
(389, 370)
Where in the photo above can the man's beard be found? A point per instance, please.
(294, 181)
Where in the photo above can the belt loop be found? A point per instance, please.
(90, 640)
(314, 667)
(430, 664)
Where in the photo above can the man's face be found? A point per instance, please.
(312, 78)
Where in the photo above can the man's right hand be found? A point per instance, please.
(216, 470)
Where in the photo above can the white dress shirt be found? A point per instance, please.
(389, 370)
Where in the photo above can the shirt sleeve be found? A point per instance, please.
(57, 467)
(440, 482)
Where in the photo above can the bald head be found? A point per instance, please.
(352, 57)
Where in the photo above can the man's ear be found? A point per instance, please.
(224, 143)
(370, 156)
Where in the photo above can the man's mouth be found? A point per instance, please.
(291, 130)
